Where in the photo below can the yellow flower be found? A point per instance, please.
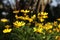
(16, 16)
(7, 26)
(7, 30)
(44, 13)
(40, 30)
(22, 10)
(17, 11)
(33, 17)
(48, 26)
(4, 20)
(26, 11)
(40, 25)
(18, 24)
(59, 26)
(55, 23)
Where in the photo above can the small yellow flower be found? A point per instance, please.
(7, 30)
(33, 17)
(55, 23)
(44, 13)
(40, 30)
(48, 26)
(4, 20)
(7, 26)
(16, 12)
(22, 10)
(40, 25)
(16, 16)
(18, 24)
(25, 11)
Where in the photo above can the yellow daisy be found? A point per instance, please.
(7, 30)
(18, 24)
(16, 12)
(4, 20)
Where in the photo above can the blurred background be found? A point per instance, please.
(51, 6)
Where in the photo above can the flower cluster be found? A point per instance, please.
(19, 28)
(42, 16)
(50, 27)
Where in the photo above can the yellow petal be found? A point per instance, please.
(26, 11)
(41, 20)
(44, 16)
(45, 13)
